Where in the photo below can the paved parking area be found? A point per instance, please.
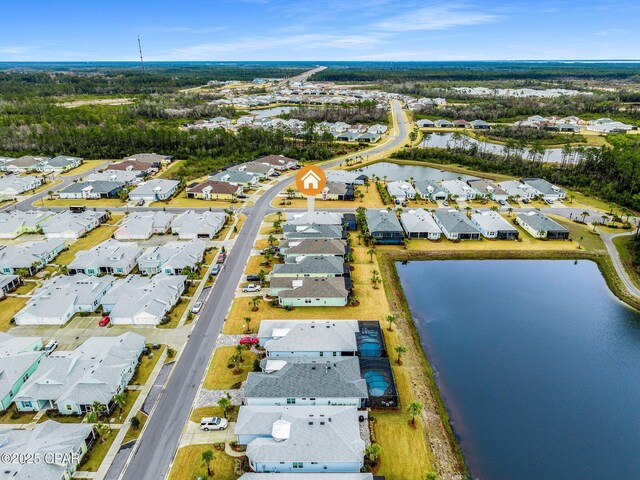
(192, 435)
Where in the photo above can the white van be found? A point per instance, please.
(50, 347)
(213, 423)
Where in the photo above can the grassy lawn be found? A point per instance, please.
(93, 458)
(261, 244)
(68, 202)
(191, 289)
(86, 167)
(219, 376)
(9, 306)
(145, 366)
(267, 230)
(131, 397)
(134, 433)
(210, 256)
(582, 199)
(91, 239)
(25, 289)
(21, 417)
(405, 455)
(198, 413)
(58, 417)
(241, 218)
(371, 200)
(45, 187)
(170, 171)
(188, 464)
(253, 265)
(622, 246)
(176, 314)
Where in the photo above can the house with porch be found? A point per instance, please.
(257, 169)
(538, 225)
(430, 190)
(401, 191)
(309, 338)
(72, 381)
(321, 266)
(310, 291)
(31, 256)
(302, 439)
(277, 162)
(213, 190)
(109, 257)
(19, 358)
(544, 189)
(384, 226)
(12, 185)
(193, 224)
(459, 190)
(172, 257)
(16, 222)
(455, 225)
(314, 230)
(307, 381)
(235, 177)
(419, 223)
(517, 190)
(154, 190)
(92, 190)
(294, 250)
(488, 190)
(493, 225)
(141, 225)
(119, 176)
(72, 225)
(8, 283)
(61, 163)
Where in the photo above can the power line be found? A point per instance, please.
(140, 50)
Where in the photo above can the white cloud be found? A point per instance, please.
(436, 17)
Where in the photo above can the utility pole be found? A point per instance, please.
(140, 50)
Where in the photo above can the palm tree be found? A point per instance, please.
(414, 409)
(235, 360)
(373, 452)
(247, 320)
(120, 399)
(375, 279)
(63, 270)
(510, 210)
(225, 404)
(584, 215)
(262, 275)
(359, 239)
(255, 304)
(290, 192)
(207, 457)
(276, 226)
(271, 240)
(361, 196)
(391, 319)
(400, 350)
(22, 272)
(371, 252)
(468, 210)
(239, 350)
(268, 256)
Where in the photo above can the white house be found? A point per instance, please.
(401, 191)
(308, 338)
(61, 297)
(516, 190)
(172, 257)
(544, 189)
(302, 439)
(419, 223)
(455, 225)
(32, 256)
(71, 381)
(109, 257)
(12, 185)
(141, 225)
(16, 222)
(459, 190)
(198, 224)
(138, 300)
(493, 225)
(153, 190)
(72, 225)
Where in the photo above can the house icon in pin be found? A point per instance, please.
(311, 180)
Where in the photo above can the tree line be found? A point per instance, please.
(365, 111)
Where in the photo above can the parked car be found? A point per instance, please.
(549, 201)
(196, 307)
(445, 203)
(241, 195)
(249, 341)
(525, 200)
(104, 321)
(252, 287)
(253, 278)
(140, 203)
(222, 257)
(502, 202)
(50, 347)
(215, 270)
(275, 174)
(213, 423)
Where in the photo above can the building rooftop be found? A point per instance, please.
(192, 222)
(156, 186)
(455, 222)
(176, 255)
(17, 219)
(144, 224)
(71, 221)
(23, 255)
(540, 222)
(321, 217)
(321, 264)
(108, 254)
(214, 187)
(380, 220)
(542, 186)
(95, 188)
(313, 231)
(419, 220)
(310, 246)
(492, 221)
(486, 187)
(344, 176)
(309, 335)
(310, 287)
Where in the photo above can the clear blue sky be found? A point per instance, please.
(59, 30)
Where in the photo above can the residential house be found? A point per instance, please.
(213, 190)
(109, 257)
(401, 191)
(61, 163)
(48, 440)
(68, 224)
(430, 190)
(16, 222)
(294, 250)
(126, 177)
(516, 190)
(455, 225)
(301, 439)
(461, 124)
(172, 257)
(568, 127)
(255, 168)
(12, 185)
(319, 217)
(309, 338)
(198, 224)
(313, 230)
(92, 190)
(141, 225)
(278, 162)
(19, 358)
(31, 256)
(346, 176)
(544, 189)
(152, 159)
(337, 191)
(369, 137)
(493, 225)
(235, 177)
(138, 300)
(26, 163)
(310, 291)
(384, 226)
(459, 190)
(141, 169)
(425, 123)
(377, 128)
(419, 223)
(8, 283)
(61, 297)
(153, 190)
(479, 125)
(312, 266)
(307, 381)
(72, 381)
(347, 136)
(488, 189)
(443, 124)
(538, 225)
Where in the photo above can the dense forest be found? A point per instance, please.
(365, 111)
(527, 136)
(612, 174)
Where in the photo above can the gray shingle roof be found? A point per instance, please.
(310, 287)
(382, 221)
(311, 265)
(97, 187)
(308, 335)
(319, 377)
(308, 246)
(312, 231)
(540, 222)
(419, 221)
(23, 255)
(455, 222)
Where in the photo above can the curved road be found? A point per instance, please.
(617, 262)
(157, 445)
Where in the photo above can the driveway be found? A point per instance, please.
(192, 435)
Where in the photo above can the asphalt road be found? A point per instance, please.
(158, 444)
(617, 262)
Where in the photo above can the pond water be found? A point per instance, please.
(394, 171)
(446, 140)
(270, 112)
(538, 364)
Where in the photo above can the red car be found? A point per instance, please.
(249, 341)
(104, 321)
(221, 258)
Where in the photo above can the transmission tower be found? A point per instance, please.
(140, 50)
